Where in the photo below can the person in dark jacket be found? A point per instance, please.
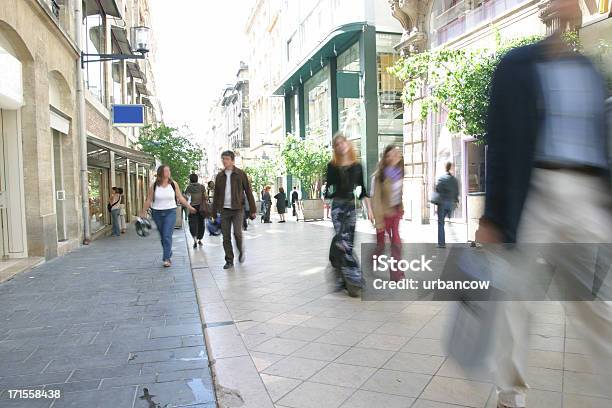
(199, 201)
(281, 203)
(231, 185)
(447, 188)
(344, 176)
(266, 198)
(547, 182)
(295, 197)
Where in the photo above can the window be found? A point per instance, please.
(390, 106)
(60, 191)
(94, 44)
(316, 106)
(351, 110)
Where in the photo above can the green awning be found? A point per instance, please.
(108, 7)
(338, 39)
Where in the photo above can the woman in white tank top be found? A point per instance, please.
(162, 199)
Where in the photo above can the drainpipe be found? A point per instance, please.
(81, 126)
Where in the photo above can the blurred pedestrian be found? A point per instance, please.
(247, 213)
(548, 182)
(162, 198)
(295, 197)
(266, 198)
(199, 201)
(281, 203)
(114, 206)
(231, 185)
(344, 175)
(122, 213)
(387, 193)
(326, 201)
(211, 191)
(447, 188)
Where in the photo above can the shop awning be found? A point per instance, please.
(142, 89)
(147, 102)
(120, 39)
(135, 72)
(109, 7)
(132, 154)
(338, 39)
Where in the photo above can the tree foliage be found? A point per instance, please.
(173, 147)
(459, 80)
(307, 160)
(262, 173)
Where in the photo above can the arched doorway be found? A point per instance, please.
(13, 54)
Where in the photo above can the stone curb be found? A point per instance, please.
(235, 377)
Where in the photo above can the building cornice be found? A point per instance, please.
(53, 22)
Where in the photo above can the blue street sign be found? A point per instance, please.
(128, 115)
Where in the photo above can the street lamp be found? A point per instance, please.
(140, 37)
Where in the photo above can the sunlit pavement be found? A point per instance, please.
(279, 338)
(101, 325)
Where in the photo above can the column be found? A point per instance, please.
(113, 178)
(301, 108)
(128, 184)
(369, 142)
(124, 82)
(137, 187)
(333, 68)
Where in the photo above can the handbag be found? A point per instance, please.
(434, 198)
(204, 210)
(110, 206)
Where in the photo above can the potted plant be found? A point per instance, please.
(306, 159)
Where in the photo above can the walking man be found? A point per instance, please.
(231, 186)
(548, 182)
(447, 188)
(294, 201)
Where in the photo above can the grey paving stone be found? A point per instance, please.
(131, 380)
(111, 398)
(178, 330)
(105, 372)
(25, 381)
(175, 393)
(73, 323)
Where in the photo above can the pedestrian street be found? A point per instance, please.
(280, 337)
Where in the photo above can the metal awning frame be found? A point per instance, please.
(337, 41)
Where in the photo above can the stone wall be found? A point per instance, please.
(43, 48)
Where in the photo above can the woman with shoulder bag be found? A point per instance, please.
(114, 207)
(199, 201)
(162, 198)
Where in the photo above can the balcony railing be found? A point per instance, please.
(487, 11)
(55, 8)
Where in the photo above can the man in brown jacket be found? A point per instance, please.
(231, 186)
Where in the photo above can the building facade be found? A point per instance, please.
(263, 32)
(40, 182)
(428, 144)
(334, 60)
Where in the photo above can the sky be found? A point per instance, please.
(200, 44)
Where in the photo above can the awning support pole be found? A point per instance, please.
(82, 128)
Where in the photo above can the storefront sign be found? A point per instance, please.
(11, 81)
(128, 115)
(348, 84)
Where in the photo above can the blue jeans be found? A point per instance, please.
(165, 221)
(444, 210)
(116, 221)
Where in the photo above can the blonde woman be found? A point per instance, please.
(344, 176)
(162, 198)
